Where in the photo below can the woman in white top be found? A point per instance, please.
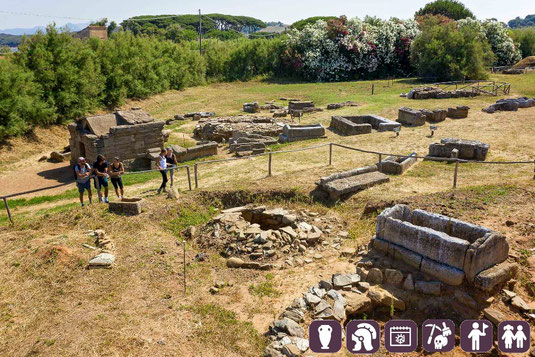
(162, 165)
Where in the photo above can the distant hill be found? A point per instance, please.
(529, 20)
(10, 40)
(33, 30)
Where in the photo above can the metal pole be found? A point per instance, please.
(455, 174)
(380, 162)
(330, 154)
(373, 88)
(8, 211)
(196, 176)
(200, 32)
(189, 177)
(269, 164)
(184, 252)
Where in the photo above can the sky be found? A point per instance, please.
(65, 11)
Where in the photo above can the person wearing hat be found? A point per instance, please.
(171, 161)
(83, 178)
(115, 171)
(101, 174)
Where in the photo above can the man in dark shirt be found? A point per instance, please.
(100, 168)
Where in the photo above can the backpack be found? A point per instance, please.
(77, 166)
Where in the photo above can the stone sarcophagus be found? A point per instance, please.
(301, 132)
(411, 117)
(342, 184)
(361, 124)
(447, 249)
(394, 165)
(467, 149)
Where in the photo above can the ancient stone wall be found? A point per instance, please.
(361, 124)
(195, 152)
(397, 165)
(127, 206)
(340, 184)
(301, 132)
(411, 117)
(467, 149)
(459, 112)
(450, 250)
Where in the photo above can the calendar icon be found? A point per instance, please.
(401, 336)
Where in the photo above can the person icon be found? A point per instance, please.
(508, 336)
(520, 337)
(476, 334)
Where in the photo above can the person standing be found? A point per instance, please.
(83, 179)
(115, 171)
(100, 168)
(170, 158)
(162, 166)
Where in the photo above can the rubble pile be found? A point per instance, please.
(260, 234)
(221, 129)
(510, 105)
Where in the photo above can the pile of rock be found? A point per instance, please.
(246, 144)
(251, 107)
(105, 258)
(458, 148)
(437, 93)
(221, 129)
(341, 105)
(510, 105)
(261, 235)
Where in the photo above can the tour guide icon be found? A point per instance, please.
(475, 335)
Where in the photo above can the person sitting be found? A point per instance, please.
(170, 158)
(83, 179)
(115, 171)
(162, 166)
(100, 168)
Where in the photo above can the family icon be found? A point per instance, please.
(513, 336)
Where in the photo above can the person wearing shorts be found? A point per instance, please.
(115, 171)
(100, 167)
(170, 158)
(83, 179)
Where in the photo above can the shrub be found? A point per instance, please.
(449, 8)
(20, 105)
(445, 52)
(525, 38)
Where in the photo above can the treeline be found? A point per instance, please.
(10, 40)
(55, 78)
(519, 22)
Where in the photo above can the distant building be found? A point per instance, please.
(93, 32)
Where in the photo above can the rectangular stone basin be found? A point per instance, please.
(127, 206)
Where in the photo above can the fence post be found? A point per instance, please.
(455, 173)
(380, 165)
(533, 173)
(189, 177)
(196, 176)
(330, 154)
(373, 87)
(269, 164)
(7, 209)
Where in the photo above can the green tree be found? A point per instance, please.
(444, 52)
(112, 27)
(299, 25)
(449, 8)
(21, 107)
(66, 69)
(525, 38)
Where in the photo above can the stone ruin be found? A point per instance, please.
(128, 134)
(361, 124)
(251, 107)
(341, 105)
(437, 93)
(201, 149)
(302, 106)
(127, 206)
(222, 129)
(292, 133)
(418, 117)
(459, 112)
(341, 185)
(452, 251)
(394, 165)
(245, 144)
(256, 237)
(458, 148)
(510, 105)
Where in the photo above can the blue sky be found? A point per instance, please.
(273, 10)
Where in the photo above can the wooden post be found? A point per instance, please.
(269, 164)
(380, 166)
(455, 173)
(196, 176)
(189, 177)
(7, 209)
(533, 175)
(373, 88)
(330, 154)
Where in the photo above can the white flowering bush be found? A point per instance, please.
(498, 37)
(344, 49)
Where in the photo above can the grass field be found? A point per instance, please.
(50, 305)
